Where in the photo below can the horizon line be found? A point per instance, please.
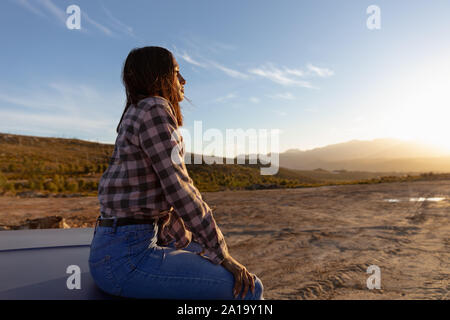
(284, 151)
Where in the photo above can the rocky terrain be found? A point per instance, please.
(310, 243)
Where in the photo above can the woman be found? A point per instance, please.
(156, 237)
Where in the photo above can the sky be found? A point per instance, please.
(311, 69)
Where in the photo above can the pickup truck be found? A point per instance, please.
(47, 264)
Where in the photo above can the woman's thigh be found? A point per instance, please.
(192, 247)
(167, 273)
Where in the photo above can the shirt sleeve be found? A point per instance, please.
(160, 140)
(173, 229)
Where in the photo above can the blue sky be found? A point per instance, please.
(309, 68)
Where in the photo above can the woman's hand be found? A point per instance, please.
(242, 278)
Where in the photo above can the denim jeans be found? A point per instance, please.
(126, 261)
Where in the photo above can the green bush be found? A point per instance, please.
(91, 186)
(50, 186)
(101, 168)
(32, 185)
(3, 180)
(81, 185)
(9, 187)
(19, 186)
(72, 187)
(39, 185)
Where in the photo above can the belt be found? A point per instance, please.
(125, 221)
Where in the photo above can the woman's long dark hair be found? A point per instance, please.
(149, 71)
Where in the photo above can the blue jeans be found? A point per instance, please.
(127, 262)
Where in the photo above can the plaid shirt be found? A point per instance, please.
(147, 177)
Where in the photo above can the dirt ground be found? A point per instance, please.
(316, 243)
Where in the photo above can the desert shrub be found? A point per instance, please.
(38, 185)
(60, 168)
(50, 186)
(69, 168)
(40, 168)
(32, 185)
(18, 186)
(3, 180)
(81, 184)
(72, 187)
(60, 182)
(91, 186)
(9, 187)
(89, 168)
(36, 182)
(100, 168)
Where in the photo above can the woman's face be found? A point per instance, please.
(179, 81)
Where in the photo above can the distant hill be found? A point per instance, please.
(382, 155)
(41, 166)
(60, 165)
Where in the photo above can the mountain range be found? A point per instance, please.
(376, 155)
(379, 155)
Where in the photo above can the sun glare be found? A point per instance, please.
(419, 105)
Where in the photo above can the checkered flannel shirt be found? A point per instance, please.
(147, 177)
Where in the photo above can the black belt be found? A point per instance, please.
(125, 221)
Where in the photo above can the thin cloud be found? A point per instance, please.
(53, 9)
(28, 6)
(285, 77)
(119, 25)
(280, 113)
(225, 98)
(254, 100)
(14, 120)
(284, 96)
(33, 102)
(61, 107)
(76, 91)
(57, 97)
(60, 15)
(218, 47)
(295, 72)
(213, 46)
(190, 60)
(231, 72)
(98, 25)
(321, 72)
(208, 64)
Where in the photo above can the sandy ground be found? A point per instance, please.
(316, 243)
